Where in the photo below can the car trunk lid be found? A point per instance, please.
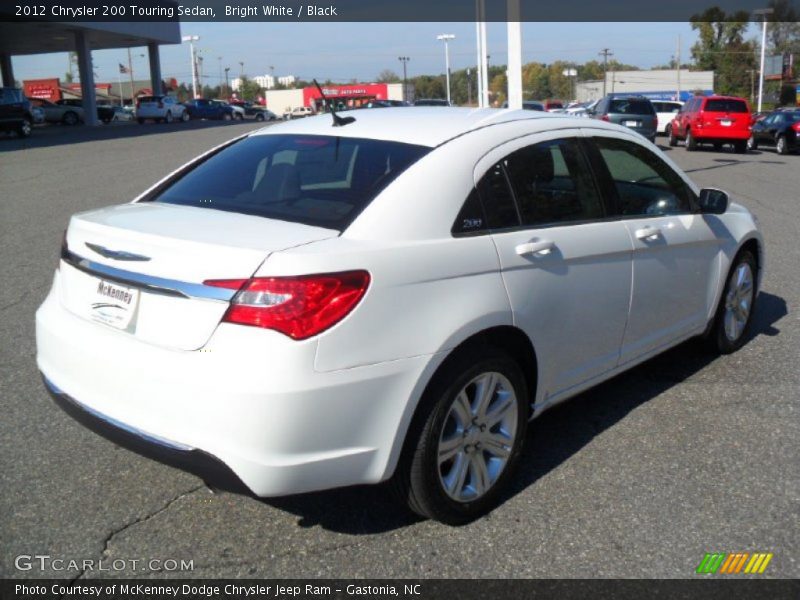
(140, 268)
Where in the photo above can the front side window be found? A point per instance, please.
(311, 179)
(644, 184)
(553, 184)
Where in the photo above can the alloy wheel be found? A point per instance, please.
(477, 437)
(738, 301)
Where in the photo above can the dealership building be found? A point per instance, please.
(659, 84)
(42, 36)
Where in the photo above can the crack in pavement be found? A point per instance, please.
(138, 520)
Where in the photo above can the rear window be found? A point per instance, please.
(324, 181)
(631, 107)
(729, 106)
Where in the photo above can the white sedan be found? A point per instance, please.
(395, 297)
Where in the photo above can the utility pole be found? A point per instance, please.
(605, 53)
(227, 87)
(404, 60)
(219, 59)
(241, 71)
(192, 39)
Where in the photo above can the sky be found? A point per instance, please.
(345, 51)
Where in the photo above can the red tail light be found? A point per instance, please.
(796, 127)
(605, 118)
(300, 307)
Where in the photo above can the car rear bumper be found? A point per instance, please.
(250, 402)
(715, 134)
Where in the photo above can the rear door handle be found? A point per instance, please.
(648, 233)
(539, 248)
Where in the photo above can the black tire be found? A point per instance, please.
(752, 144)
(740, 146)
(239, 116)
(691, 142)
(782, 146)
(418, 481)
(226, 116)
(673, 139)
(718, 339)
(70, 118)
(259, 117)
(25, 128)
(106, 120)
(185, 116)
(717, 146)
(140, 121)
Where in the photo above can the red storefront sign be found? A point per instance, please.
(377, 91)
(44, 89)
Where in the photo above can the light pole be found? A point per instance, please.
(241, 70)
(572, 75)
(404, 60)
(192, 39)
(446, 37)
(227, 87)
(219, 59)
(762, 12)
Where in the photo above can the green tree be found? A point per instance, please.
(249, 89)
(721, 48)
(387, 76)
(784, 28)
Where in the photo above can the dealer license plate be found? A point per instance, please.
(114, 305)
(632, 123)
(726, 122)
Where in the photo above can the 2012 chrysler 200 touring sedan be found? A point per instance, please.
(313, 305)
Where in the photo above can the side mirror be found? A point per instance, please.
(713, 202)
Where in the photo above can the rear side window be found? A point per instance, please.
(631, 107)
(726, 105)
(498, 201)
(315, 180)
(645, 185)
(553, 184)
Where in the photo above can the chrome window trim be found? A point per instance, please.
(149, 283)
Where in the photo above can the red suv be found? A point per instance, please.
(712, 120)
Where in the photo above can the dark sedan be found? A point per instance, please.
(778, 129)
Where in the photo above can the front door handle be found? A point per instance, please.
(538, 248)
(648, 233)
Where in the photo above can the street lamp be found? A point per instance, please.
(404, 60)
(227, 87)
(762, 12)
(192, 39)
(446, 37)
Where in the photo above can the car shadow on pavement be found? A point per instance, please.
(552, 439)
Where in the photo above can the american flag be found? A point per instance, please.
(123, 68)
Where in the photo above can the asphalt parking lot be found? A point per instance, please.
(640, 477)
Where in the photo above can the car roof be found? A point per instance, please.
(418, 125)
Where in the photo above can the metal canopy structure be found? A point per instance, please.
(43, 37)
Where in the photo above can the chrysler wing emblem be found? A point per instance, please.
(116, 254)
